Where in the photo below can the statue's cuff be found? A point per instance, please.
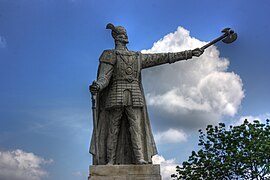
(102, 82)
(188, 54)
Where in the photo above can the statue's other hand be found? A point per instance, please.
(94, 87)
(197, 52)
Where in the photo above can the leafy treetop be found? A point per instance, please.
(240, 152)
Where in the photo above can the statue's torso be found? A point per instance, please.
(125, 87)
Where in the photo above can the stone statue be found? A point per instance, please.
(122, 132)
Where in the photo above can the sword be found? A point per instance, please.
(95, 123)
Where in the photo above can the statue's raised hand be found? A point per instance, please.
(197, 52)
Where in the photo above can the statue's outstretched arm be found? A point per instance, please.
(150, 60)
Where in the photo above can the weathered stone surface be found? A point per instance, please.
(125, 172)
(121, 126)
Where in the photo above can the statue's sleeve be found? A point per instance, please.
(150, 60)
(105, 69)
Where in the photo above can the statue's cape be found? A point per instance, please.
(124, 153)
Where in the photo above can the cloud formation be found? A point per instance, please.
(20, 165)
(262, 118)
(167, 167)
(3, 42)
(170, 136)
(190, 94)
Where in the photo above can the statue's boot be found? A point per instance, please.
(111, 148)
(113, 136)
(111, 162)
(111, 157)
(142, 161)
(136, 145)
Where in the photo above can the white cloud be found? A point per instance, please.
(77, 173)
(251, 118)
(20, 165)
(73, 119)
(167, 167)
(170, 136)
(193, 93)
(3, 42)
(80, 174)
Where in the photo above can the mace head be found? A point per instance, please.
(231, 35)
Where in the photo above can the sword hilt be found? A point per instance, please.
(94, 96)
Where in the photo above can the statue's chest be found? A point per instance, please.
(127, 64)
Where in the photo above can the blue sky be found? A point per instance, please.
(49, 52)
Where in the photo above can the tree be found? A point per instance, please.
(240, 152)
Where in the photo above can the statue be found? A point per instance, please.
(122, 132)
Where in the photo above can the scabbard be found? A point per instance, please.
(95, 126)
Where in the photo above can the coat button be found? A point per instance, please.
(129, 70)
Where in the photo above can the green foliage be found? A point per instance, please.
(241, 152)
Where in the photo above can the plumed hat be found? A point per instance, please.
(116, 30)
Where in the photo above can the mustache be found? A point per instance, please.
(124, 40)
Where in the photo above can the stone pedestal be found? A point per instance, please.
(125, 172)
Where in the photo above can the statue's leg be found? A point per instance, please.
(114, 128)
(134, 117)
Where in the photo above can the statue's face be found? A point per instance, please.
(123, 38)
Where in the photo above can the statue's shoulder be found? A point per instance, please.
(126, 53)
(108, 56)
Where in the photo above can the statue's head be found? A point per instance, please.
(119, 33)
